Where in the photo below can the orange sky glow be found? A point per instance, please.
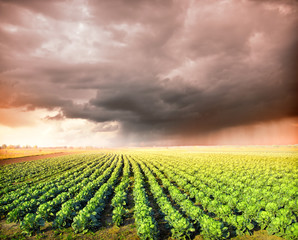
(148, 73)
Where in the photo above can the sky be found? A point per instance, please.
(123, 73)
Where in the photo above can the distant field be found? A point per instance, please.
(158, 193)
(23, 152)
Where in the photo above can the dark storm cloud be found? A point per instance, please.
(160, 68)
(57, 117)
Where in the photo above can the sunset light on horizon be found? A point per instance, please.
(117, 73)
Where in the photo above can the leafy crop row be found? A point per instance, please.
(70, 208)
(88, 218)
(180, 226)
(216, 195)
(210, 228)
(267, 206)
(120, 198)
(146, 224)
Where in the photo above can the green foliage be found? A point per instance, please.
(119, 200)
(271, 208)
(146, 224)
(88, 218)
(212, 192)
(264, 218)
(211, 229)
(292, 232)
(118, 214)
(278, 225)
(66, 214)
(85, 221)
(31, 223)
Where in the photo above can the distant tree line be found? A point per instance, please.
(4, 146)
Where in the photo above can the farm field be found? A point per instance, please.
(176, 193)
(6, 154)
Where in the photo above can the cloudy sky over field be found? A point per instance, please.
(145, 72)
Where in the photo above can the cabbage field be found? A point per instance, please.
(170, 193)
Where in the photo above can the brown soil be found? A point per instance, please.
(32, 158)
(12, 231)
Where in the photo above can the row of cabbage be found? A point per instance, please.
(25, 193)
(36, 171)
(193, 194)
(59, 199)
(270, 205)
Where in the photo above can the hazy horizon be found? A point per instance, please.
(117, 73)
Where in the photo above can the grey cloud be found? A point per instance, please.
(106, 127)
(56, 117)
(166, 68)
